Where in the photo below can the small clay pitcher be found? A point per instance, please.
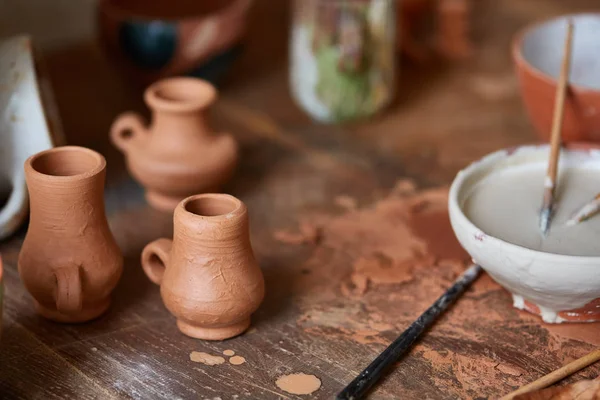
(208, 276)
(69, 261)
(178, 154)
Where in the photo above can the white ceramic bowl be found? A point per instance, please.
(558, 287)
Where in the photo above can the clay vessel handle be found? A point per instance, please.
(125, 129)
(155, 258)
(68, 289)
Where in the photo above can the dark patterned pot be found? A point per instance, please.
(153, 40)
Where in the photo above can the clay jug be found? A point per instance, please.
(69, 261)
(208, 276)
(178, 154)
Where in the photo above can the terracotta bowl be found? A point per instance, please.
(559, 288)
(537, 53)
(151, 40)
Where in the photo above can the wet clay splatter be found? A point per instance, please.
(298, 383)
(229, 353)
(237, 360)
(205, 358)
(376, 268)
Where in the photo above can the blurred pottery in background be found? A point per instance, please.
(151, 40)
(69, 261)
(29, 123)
(1, 294)
(538, 58)
(208, 275)
(343, 57)
(178, 154)
(451, 28)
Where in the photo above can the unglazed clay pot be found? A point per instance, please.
(537, 53)
(69, 261)
(208, 276)
(178, 154)
(558, 287)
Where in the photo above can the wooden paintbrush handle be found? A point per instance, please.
(559, 104)
(557, 375)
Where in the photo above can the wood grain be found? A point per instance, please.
(446, 116)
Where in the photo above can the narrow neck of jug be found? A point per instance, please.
(213, 222)
(187, 124)
(66, 188)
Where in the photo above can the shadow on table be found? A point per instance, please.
(134, 228)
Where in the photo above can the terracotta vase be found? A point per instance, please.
(178, 154)
(208, 276)
(69, 261)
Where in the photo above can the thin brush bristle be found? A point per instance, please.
(545, 220)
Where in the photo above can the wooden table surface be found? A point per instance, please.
(445, 117)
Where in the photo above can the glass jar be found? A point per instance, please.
(343, 57)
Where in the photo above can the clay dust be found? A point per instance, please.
(308, 233)
(205, 358)
(376, 268)
(298, 383)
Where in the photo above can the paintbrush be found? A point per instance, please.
(557, 375)
(586, 212)
(370, 375)
(555, 140)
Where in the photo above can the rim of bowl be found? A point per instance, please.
(107, 7)
(517, 49)
(490, 158)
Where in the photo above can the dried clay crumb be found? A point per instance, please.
(309, 234)
(494, 88)
(288, 237)
(346, 202)
(205, 358)
(237, 360)
(298, 383)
